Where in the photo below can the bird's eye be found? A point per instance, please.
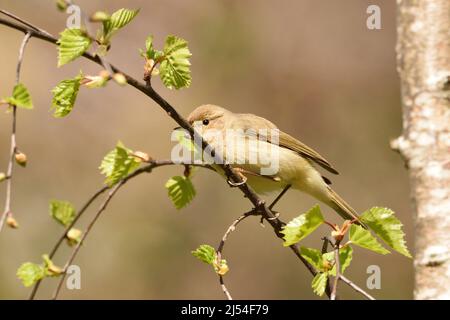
(205, 122)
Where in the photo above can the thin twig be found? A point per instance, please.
(13, 148)
(111, 193)
(102, 207)
(224, 288)
(23, 21)
(230, 229)
(326, 241)
(21, 53)
(64, 235)
(337, 263)
(171, 111)
(220, 248)
(355, 287)
(103, 60)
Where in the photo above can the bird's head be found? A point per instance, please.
(208, 115)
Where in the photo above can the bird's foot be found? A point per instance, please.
(275, 217)
(240, 173)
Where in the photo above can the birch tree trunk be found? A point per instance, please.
(423, 56)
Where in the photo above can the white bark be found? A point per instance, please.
(423, 53)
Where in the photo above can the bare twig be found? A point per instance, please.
(259, 204)
(230, 229)
(102, 207)
(219, 250)
(337, 263)
(224, 288)
(13, 148)
(64, 235)
(355, 287)
(339, 275)
(23, 21)
(111, 193)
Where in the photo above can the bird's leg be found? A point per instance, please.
(279, 196)
(241, 172)
(276, 214)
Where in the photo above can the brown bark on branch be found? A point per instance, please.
(423, 53)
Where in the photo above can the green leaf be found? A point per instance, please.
(150, 51)
(384, 223)
(29, 273)
(345, 258)
(21, 97)
(313, 256)
(302, 226)
(174, 69)
(319, 283)
(205, 253)
(72, 43)
(64, 96)
(181, 191)
(363, 238)
(149, 45)
(185, 140)
(118, 20)
(117, 164)
(62, 211)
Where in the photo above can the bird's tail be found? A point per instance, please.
(343, 208)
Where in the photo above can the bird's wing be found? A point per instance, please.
(293, 144)
(285, 140)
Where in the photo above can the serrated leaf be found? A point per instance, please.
(363, 238)
(117, 21)
(183, 137)
(150, 51)
(302, 226)
(62, 211)
(65, 95)
(21, 97)
(313, 256)
(386, 225)
(319, 283)
(72, 43)
(174, 69)
(205, 253)
(118, 163)
(29, 273)
(345, 258)
(181, 191)
(149, 45)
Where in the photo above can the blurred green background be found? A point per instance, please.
(312, 67)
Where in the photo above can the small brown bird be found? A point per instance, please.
(295, 161)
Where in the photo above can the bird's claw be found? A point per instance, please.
(276, 215)
(237, 184)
